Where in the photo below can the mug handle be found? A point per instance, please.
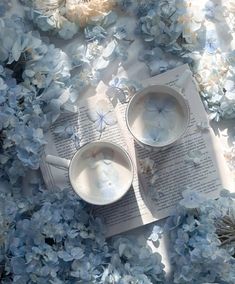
(60, 163)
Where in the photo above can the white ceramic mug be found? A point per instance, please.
(100, 172)
(157, 117)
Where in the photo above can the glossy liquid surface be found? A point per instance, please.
(157, 119)
(102, 176)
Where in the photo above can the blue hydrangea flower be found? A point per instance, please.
(191, 198)
(102, 116)
(4, 7)
(160, 106)
(152, 135)
(68, 30)
(213, 11)
(212, 44)
(199, 237)
(156, 233)
(229, 87)
(33, 94)
(121, 89)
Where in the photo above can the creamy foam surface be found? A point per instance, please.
(101, 177)
(157, 119)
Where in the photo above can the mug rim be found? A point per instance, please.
(127, 157)
(169, 92)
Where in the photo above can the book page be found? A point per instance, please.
(148, 201)
(174, 172)
(86, 131)
(127, 213)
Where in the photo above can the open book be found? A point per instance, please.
(194, 162)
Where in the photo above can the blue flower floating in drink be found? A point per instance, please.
(106, 157)
(160, 105)
(154, 134)
(101, 172)
(159, 118)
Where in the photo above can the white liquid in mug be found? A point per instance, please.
(101, 178)
(157, 119)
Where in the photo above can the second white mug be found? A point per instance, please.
(157, 117)
(100, 172)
